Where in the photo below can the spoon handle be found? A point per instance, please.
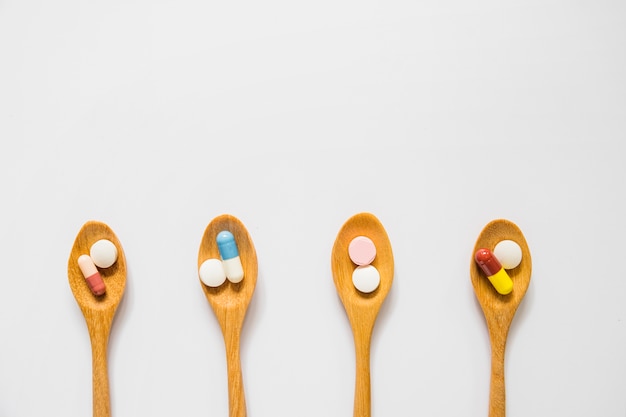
(99, 330)
(497, 400)
(362, 391)
(236, 396)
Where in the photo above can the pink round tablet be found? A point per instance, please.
(362, 250)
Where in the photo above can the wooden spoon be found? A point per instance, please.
(362, 309)
(500, 309)
(230, 301)
(98, 311)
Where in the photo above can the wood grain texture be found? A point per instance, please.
(362, 309)
(98, 311)
(230, 301)
(498, 309)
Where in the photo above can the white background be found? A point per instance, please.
(436, 116)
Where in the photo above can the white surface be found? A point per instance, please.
(293, 116)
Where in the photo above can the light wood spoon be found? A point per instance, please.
(98, 311)
(362, 309)
(230, 301)
(500, 309)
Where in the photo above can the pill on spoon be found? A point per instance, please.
(230, 256)
(212, 273)
(91, 274)
(496, 274)
(362, 250)
(103, 253)
(508, 253)
(366, 278)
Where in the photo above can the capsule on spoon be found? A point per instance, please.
(494, 271)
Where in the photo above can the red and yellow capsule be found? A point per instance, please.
(494, 271)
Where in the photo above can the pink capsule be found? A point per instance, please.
(91, 274)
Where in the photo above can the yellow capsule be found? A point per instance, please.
(494, 271)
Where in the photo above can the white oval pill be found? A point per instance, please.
(508, 253)
(366, 278)
(212, 273)
(103, 253)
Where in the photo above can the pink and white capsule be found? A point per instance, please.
(91, 274)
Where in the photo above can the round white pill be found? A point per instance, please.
(212, 273)
(366, 278)
(103, 253)
(508, 253)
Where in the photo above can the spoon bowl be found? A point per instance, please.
(499, 309)
(98, 310)
(361, 308)
(230, 301)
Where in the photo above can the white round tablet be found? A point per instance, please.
(366, 278)
(508, 253)
(212, 273)
(103, 253)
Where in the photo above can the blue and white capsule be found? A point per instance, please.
(230, 256)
